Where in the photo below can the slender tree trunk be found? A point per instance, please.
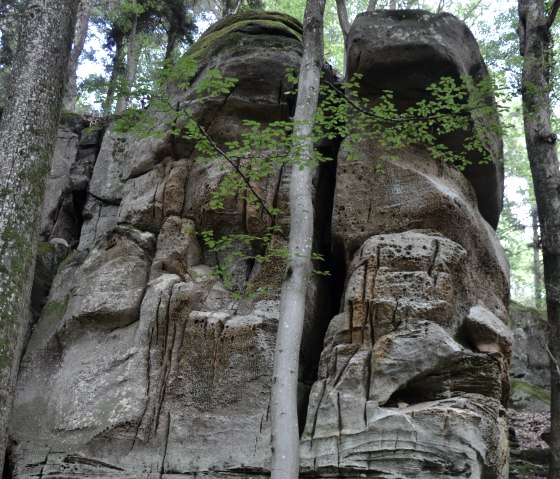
(27, 134)
(116, 72)
(84, 11)
(537, 269)
(285, 433)
(534, 36)
(372, 5)
(131, 63)
(229, 7)
(172, 37)
(344, 24)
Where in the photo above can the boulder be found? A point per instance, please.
(407, 50)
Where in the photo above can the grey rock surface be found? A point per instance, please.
(530, 365)
(418, 358)
(143, 363)
(146, 364)
(407, 50)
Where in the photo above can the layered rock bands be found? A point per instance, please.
(145, 364)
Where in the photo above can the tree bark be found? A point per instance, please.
(537, 268)
(116, 71)
(534, 36)
(27, 135)
(71, 95)
(285, 433)
(123, 99)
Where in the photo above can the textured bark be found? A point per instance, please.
(80, 35)
(27, 135)
(534, 36)
(285, 434)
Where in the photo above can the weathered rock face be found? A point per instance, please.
(413, 377)
(530, 364)
(143, 363)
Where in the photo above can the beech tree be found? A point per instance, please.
(82, 23)
(285, 433)
(534, 41)
(27, 135)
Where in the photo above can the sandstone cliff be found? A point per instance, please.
(144, 364)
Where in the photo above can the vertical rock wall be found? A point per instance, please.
(143, 364)
(413, 378)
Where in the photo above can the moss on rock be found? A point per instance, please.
(518, 386)
(232, 32)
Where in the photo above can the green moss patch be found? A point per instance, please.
(535, 391)
(234, 31)
(56, 308)
(44, 248)
(68, 260)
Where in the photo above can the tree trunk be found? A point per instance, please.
(285, 433)
(537, 269)
(123, 99)
(84, 11)
(534, 36)
(372, 5)
(342, 13)
(27, 135)
(116, 72)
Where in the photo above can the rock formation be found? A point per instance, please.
(143, 364)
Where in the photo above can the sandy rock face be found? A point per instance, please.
(145, 364)
(142, 363)
(413, 376)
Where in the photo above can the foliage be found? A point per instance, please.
(449, 106)
(264, 148)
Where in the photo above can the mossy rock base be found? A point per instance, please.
(525, 396)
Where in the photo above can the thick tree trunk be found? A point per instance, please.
(285, 433)
(27, 134)
(71, 94)
(534, 36)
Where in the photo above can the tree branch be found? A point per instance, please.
(400, 119)
(232, 163)
(552, 14)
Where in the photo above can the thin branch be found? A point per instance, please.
(400, 119)
(553, 360)
(232, 163)
(553, 13)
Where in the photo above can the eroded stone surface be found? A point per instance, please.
(407, 50)
(145, 364)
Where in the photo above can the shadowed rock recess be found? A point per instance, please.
(142, 364)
